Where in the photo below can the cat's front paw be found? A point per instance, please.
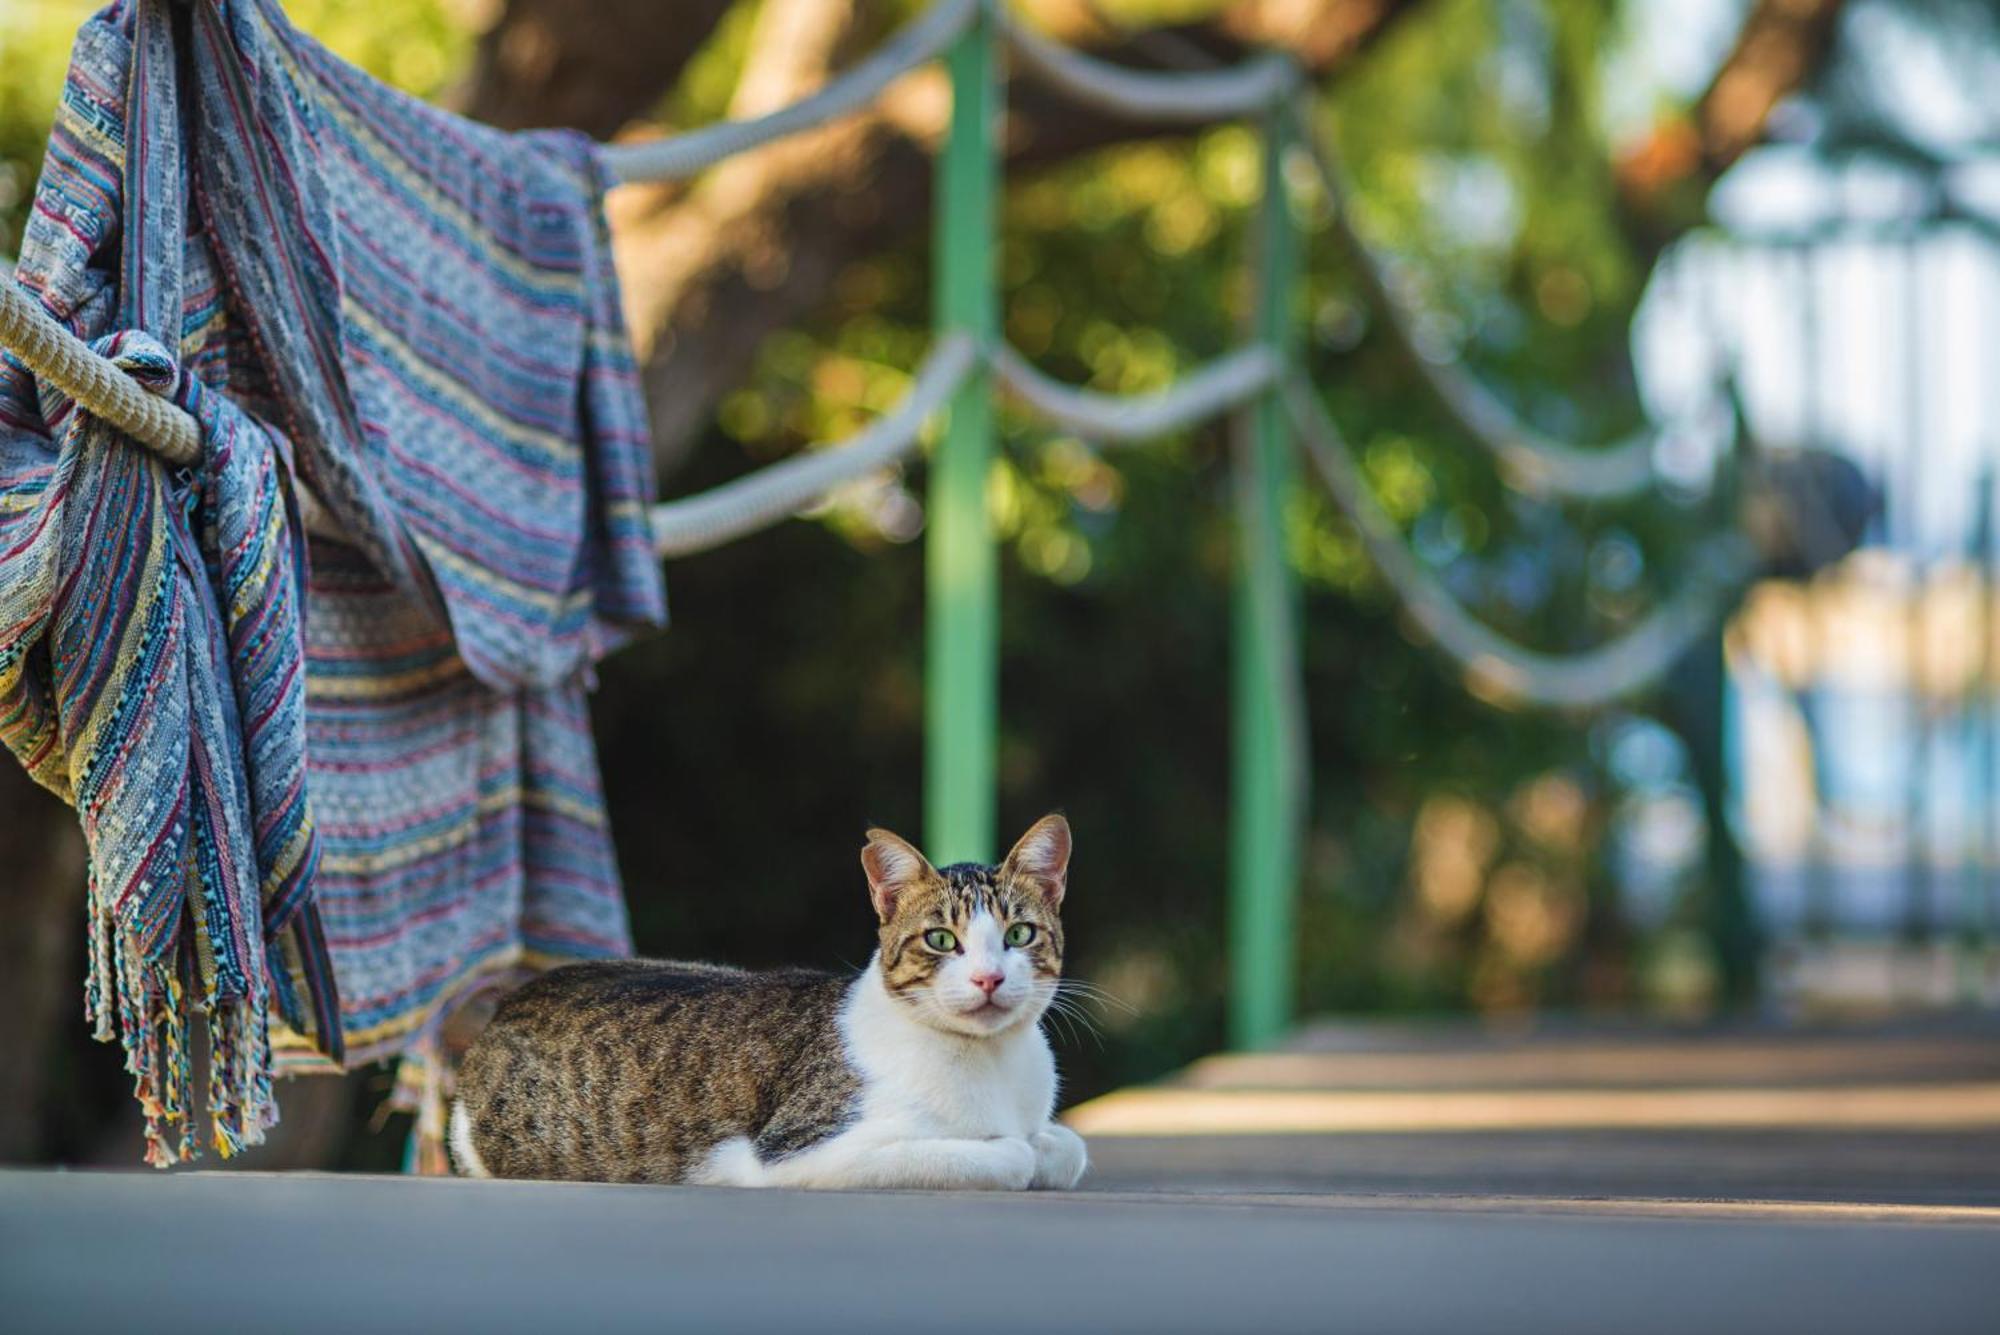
(1060, 1158)
(1012, 1164)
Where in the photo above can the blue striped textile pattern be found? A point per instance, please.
(341, 812)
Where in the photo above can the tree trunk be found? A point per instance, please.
(1664, 181)
(592, 66)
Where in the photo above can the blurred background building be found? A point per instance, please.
(1850, 286)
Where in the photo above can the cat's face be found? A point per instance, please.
(972, 950)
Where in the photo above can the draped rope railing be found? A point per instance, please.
(748, 504)
(1500, 667)
(1174, 97)
(919, 42)
(724, 513)
(1206, 392)
(1532, 461)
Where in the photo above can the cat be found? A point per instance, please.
(929, 1069)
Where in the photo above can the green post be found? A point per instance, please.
(961, 567)
(1268, 782)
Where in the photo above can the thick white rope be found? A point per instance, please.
(1503, 669)
(1207, 392)
(1531, 460)
(1176, 97)
(98, 386)
(711, 518)
(916, 43)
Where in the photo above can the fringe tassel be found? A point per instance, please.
(425, 1081)
(150, 1007)
(427, 1077)
(427, 1073)
(100, 978)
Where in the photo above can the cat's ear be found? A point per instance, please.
(895, 868)
(1042, 858)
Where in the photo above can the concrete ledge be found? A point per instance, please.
(307, 1254)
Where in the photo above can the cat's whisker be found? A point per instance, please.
(1096, 992)
(1062, 1021)
(1090, 1029)
(1075, 1018)
(1061, 1028)
(1048, 996)
(1074, 987)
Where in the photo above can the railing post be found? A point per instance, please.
(961, 567)
(1268, 780)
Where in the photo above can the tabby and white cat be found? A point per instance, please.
(929, 1069)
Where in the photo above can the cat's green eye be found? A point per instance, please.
(1020, 934)
(938, 939)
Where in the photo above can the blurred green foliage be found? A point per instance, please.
(420, 46)
(745, 750)
(35, 39)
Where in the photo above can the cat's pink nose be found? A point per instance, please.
(989, 983)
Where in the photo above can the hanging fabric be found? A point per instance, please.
(417, 316)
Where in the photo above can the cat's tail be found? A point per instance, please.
(459, 1137)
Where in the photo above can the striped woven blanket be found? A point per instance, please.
(329, 787)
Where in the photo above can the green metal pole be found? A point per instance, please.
(961, 567)
(1268, 780)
